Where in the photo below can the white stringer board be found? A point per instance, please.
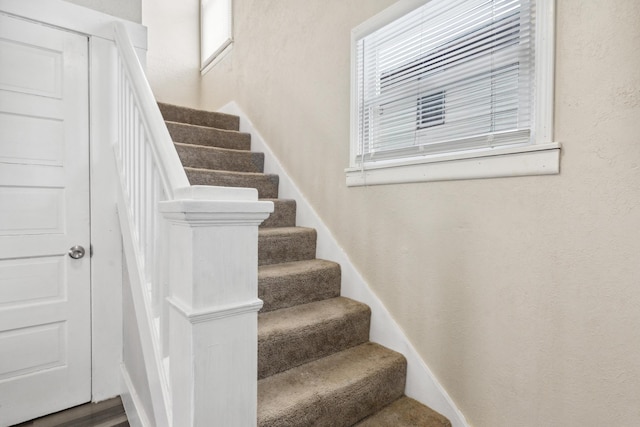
(45, 342)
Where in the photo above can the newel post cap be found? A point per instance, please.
(205, 205)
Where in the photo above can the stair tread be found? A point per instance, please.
(276, 231)
(296, 335)
(286, 244)
(217, 158)
(337, 390)
(284, 213)
(187, 133)
(225, 172)
(406, 412)
(292, 319)
(189, 115)
(278, 199)
(213, 148)
(207, 128)
(298, 282)
(293, 268)
(266, 184)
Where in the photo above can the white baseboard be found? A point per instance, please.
(422, 385)
(131, 401)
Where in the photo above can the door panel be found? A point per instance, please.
(45, 343)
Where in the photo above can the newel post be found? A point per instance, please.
(213, 305)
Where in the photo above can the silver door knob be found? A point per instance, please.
(76, 252)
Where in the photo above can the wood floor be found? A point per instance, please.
(109, 413)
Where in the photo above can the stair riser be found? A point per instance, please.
(286, 248)
(279, 352)
(201, 118)
(295, 289)
(267, 185)
(211, 158)
(284, 214)
(187, 134)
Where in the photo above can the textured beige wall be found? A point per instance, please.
(130, 10)
(173, 56)
(521, 294)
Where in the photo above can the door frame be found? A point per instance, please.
(106, 259)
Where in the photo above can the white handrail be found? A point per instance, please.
(172, 172)
(176, 241)
(150, 172)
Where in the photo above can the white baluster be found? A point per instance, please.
(163, 231)
(143, 164)
(136, 174)
(158, 259)
(149, 213)
(125, 134)
(122, 119)
(129, 169)
(119, 112)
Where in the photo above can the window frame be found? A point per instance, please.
(216, 54)
(541, 157)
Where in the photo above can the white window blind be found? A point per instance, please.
(452, 75)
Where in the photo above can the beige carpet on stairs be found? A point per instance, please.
(316, 365)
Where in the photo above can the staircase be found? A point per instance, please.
(316, 365)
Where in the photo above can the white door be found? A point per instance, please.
(45, 362)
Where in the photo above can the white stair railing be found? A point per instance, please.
(196, 307)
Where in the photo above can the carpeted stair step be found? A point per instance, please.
(212, 137)
(300, 282)
(286, 244)
(335, 391)
(266, 184)
(200, 156)
(175, 113)
(406, 412)
(284, 213)
(296, 335)
(315, 366)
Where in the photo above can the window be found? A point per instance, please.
(453, 89)
(216, 33)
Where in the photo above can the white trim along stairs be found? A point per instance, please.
(316, 365)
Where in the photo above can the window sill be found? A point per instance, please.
(218, 56)
(540, 159)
